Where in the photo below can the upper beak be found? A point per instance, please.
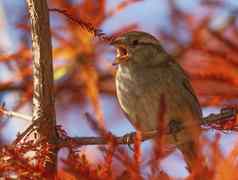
(117, 41)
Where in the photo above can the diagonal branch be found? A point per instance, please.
(15, 114)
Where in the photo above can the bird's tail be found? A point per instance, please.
(194, 160)
(190, 154)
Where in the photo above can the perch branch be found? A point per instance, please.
(126, 139)
(219, 118)
(224, 116)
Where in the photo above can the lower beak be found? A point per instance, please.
(121, 56)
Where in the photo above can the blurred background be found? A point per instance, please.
(201, 34)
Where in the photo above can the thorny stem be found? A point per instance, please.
(85, 25)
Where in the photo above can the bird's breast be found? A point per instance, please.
(134, 99)
(129, 82)
(139, 95)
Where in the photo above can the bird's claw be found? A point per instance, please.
(174, 128)
(129, 140)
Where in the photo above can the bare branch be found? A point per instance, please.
(224, 116)
(126, 139)
(15, 114)
(213, 120)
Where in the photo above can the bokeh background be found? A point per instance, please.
(201, 34)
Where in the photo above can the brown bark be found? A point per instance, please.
(43, 94)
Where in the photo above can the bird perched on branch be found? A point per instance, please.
(147, 73)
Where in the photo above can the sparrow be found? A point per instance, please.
(146, 73)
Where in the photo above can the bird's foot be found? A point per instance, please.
(129, 140)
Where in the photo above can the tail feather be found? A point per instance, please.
(195, 165)
(190, 154)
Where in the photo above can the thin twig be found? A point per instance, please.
(27, 132)
(15, 114)
(225, 114)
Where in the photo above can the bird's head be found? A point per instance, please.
(137, 48)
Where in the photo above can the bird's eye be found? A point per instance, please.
(135, 42)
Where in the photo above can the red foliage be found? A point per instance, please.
(82, 76)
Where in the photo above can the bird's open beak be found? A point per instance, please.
(121, 52)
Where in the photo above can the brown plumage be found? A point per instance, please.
(145, 73)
